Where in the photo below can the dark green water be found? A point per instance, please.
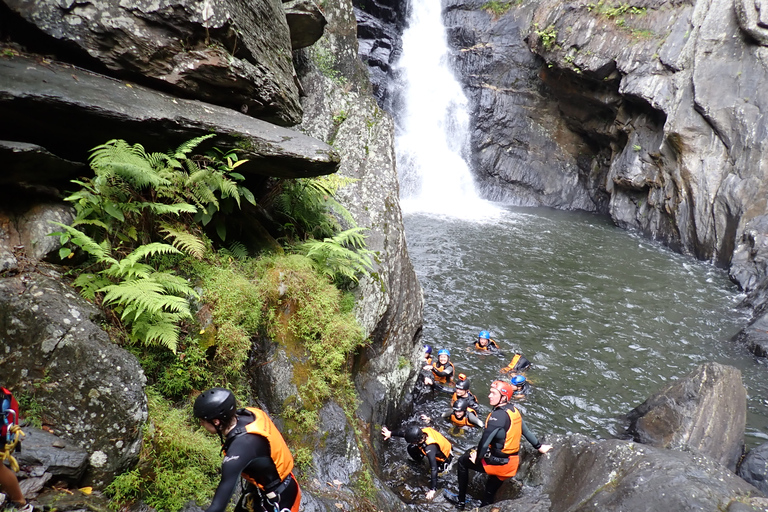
(606, 317)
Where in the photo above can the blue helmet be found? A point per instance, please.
(427, 349)
(485, 335)
(444, 352)
(518, 380)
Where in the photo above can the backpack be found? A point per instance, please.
(9, 416)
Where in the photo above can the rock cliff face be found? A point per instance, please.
(74, 74)
(650, 112)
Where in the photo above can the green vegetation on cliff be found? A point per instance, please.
(148, 236)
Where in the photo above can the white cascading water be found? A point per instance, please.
(433, 127)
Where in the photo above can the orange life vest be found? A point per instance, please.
(464, 421)
(490, 345)
(280, 453)
(510, 448)
(441, 368)
(443, 445)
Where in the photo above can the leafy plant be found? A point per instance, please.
(548, 36)
(340, 257)
(178, 462)
(496, 7)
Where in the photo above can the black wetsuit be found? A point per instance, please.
(431, 451)
(249, 454)
(491, 442)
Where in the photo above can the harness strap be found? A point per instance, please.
(274, 493)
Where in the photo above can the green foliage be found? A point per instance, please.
(310, 208)
(325, 60)
(134, 200)
(547, 36)
(602, 8)
(30, 409)
(178, 462)
(496, 7)
(340, 257)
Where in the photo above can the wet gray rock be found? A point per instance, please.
(389, 300)
(35, 224)
(233, 53)
(754, 467)
(102, 108)
(306, 22)
(43, 452)
(704, 411)
(30, 163)
(582, 474)
(91, 391)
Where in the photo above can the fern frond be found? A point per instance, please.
(129, 269)
(152, 249)
(99, 251)
(165, 334)
(182, 151)
(174, 209)
(89, 284)
(184, 240)
(174, 284)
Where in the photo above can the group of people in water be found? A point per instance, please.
(497, 452)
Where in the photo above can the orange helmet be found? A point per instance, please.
(504, 388)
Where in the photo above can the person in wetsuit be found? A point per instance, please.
(462, 391)
(442, 370)
(485, 343)
(517, 365)
(522, 387)
(254, 449)
(425, 442)
(497, 452)
(460, 414)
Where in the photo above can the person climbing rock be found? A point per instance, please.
(442, 370)
(426, 443)
(10, 436)
(497, 452)
(254, 449)
(460, 414)
(485, 343)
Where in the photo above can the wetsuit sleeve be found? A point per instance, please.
(473, 419)
(530, 436)
(447, 415)
(246, 453)
(443, 373)
(498, 423)
(398, 433)
(431, 452)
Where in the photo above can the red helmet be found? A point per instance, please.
(504, 388)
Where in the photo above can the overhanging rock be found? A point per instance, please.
(68, 111)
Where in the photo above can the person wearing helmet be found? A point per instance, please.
(460, 414)
(522, 387)
(253, 449)
(517, 365)
(462, 391)
(425, 442)
(497, 451)
(485, 343)
(442, 370)
(427, 355)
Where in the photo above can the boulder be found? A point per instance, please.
(30, 163)
(306, 22)
(233, 53)
(43, 452)
(582, 474)
(754, 467)
(705, 411)
(104, 108)
(91, 392)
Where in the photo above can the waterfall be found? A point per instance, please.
(433, 126)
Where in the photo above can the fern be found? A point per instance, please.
(341, 257)
(184, 240)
